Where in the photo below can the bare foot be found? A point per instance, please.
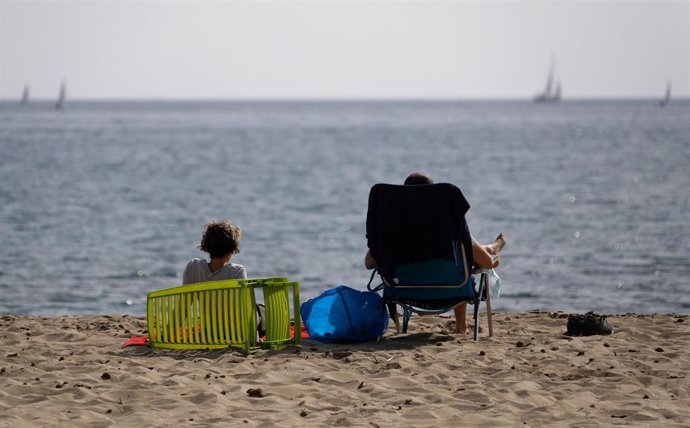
(461, 329)
(495, 247)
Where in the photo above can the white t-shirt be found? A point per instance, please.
(197, 271)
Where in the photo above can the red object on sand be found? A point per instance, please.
(305, 335)
(137, 341)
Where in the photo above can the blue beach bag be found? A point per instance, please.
(345, 315)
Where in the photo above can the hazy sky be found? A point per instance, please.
(342, 49)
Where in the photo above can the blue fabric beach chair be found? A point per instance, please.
(421, 243)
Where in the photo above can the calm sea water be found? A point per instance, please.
(103, 202)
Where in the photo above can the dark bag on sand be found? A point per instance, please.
(588, 324)
(345, 315)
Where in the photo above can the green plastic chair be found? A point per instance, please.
(220, 314)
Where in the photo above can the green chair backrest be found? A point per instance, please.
(218, 314)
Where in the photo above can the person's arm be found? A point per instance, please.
(242, 273)
(369, 261)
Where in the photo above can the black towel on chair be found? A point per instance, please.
(407, 224)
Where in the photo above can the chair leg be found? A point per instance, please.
(406, 319)
(393, 313)
(476, 317)
(488, 304)
(477, 302)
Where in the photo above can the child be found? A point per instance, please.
(221, 241)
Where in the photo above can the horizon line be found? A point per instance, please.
(336, 99)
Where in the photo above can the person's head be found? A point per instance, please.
(220, 239)
(417, 178)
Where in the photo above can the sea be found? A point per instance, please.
(103, 202)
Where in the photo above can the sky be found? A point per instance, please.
(343, 49)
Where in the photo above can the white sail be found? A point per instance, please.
(557, 92)
(667, 95)
(552, 92)
(61, 97)
(549, 79)
(25, 95)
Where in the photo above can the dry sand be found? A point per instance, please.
(71, 371)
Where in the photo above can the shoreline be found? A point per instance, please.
(72, 370)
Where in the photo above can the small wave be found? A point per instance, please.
(140, 274)
(520, 295)
(129, 275)
(63, 297)
(72, 258)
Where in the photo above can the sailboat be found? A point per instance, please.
(25, 95)
(667, 97)
(61, 97)
(552, 90)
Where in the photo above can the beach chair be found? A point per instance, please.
(220, 314)
(423, 249)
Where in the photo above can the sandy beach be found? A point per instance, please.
(72, 371)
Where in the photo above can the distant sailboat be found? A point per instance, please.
(61, 97)
(667, 97)
(552, 90)
(25, 95)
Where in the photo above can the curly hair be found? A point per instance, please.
(220, 239)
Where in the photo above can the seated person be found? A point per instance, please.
(484, 256)
(221, 240)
